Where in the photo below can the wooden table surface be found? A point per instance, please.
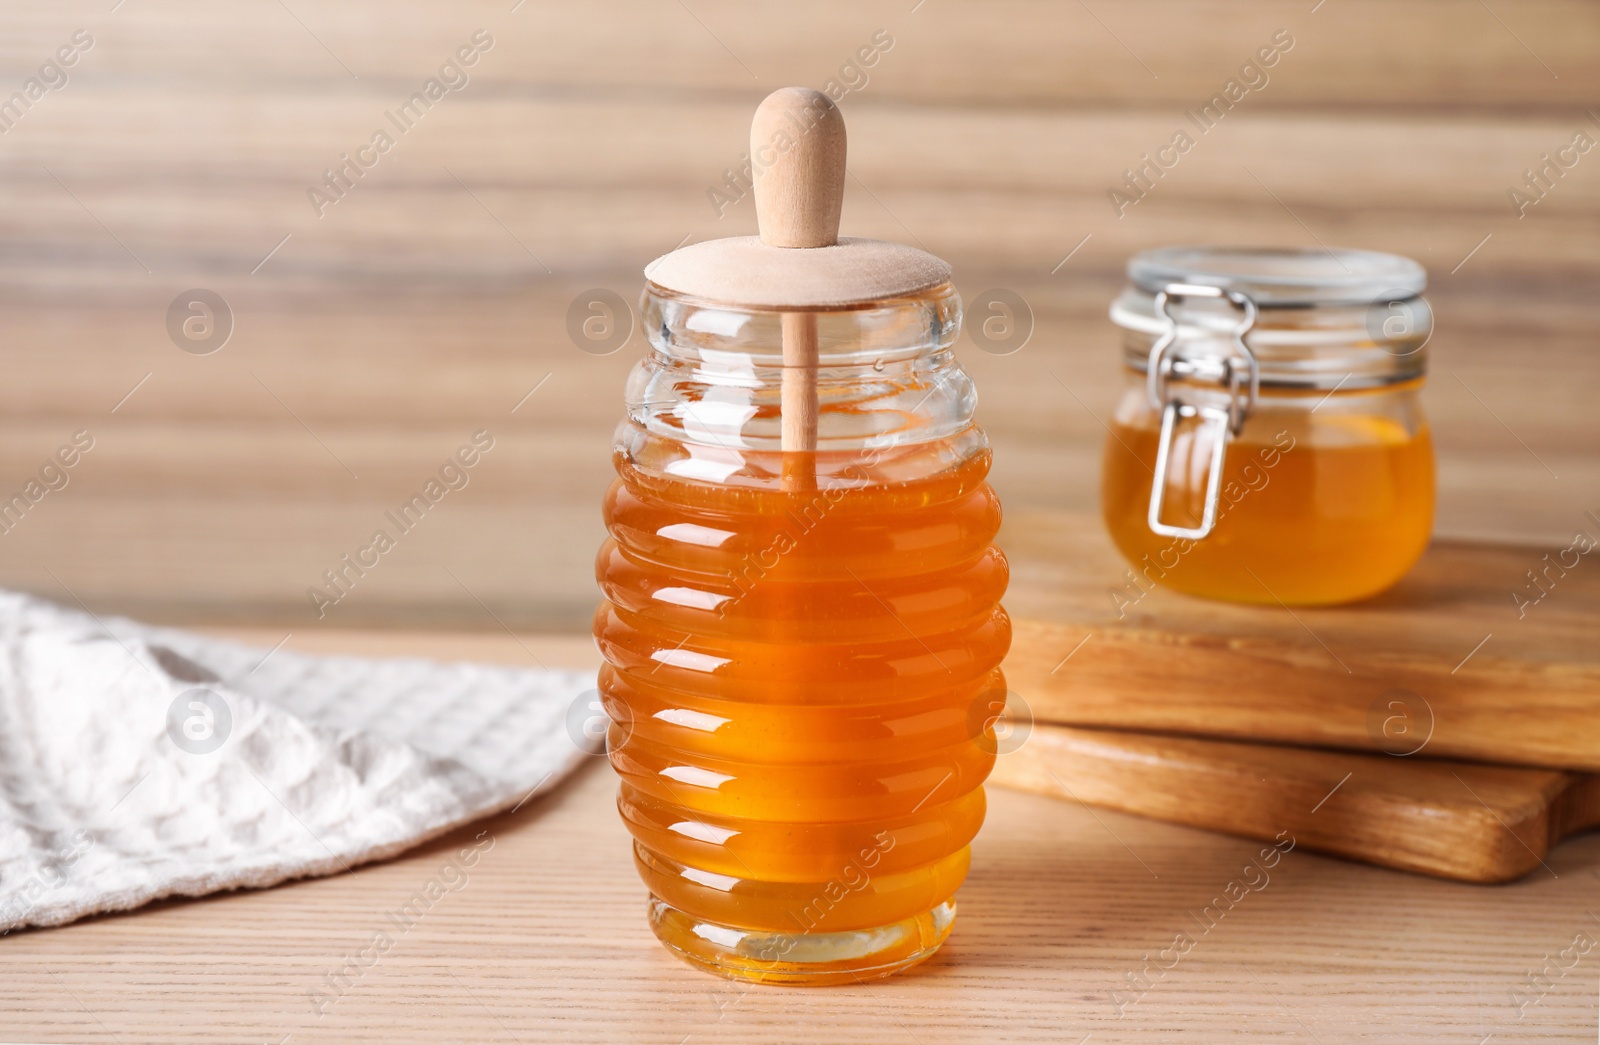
(433, 299)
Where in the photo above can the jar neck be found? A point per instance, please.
(690, 330)
(885, 376)
(1308, 346)
(1287, 398)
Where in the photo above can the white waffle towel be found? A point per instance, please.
(140, 762)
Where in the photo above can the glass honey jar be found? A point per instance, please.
(801, 626)
(1269, 445)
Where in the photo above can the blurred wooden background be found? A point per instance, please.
(427, 303)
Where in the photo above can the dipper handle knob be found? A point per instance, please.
(797, 153)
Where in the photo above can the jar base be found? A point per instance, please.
(803, 959)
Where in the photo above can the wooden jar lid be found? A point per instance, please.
(799, 261)
(745, 271)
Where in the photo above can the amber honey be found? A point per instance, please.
(1313, 513)
(800, 683)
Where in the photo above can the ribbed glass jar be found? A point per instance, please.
(1272, 400)
(802, 649)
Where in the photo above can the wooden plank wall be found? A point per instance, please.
(430, 299)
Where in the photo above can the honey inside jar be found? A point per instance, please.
(794, 678)
(1314, 509)
(1269, 445)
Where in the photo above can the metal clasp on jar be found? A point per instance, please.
(1242, 389)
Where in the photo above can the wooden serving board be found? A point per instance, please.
(1448, 663)
(1461, 820)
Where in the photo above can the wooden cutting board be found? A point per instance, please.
(1461, 820)
(1449, 663)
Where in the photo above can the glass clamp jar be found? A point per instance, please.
(1269, 445)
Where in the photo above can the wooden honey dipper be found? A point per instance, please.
(799, 194)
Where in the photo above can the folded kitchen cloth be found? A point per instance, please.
(140, 762)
